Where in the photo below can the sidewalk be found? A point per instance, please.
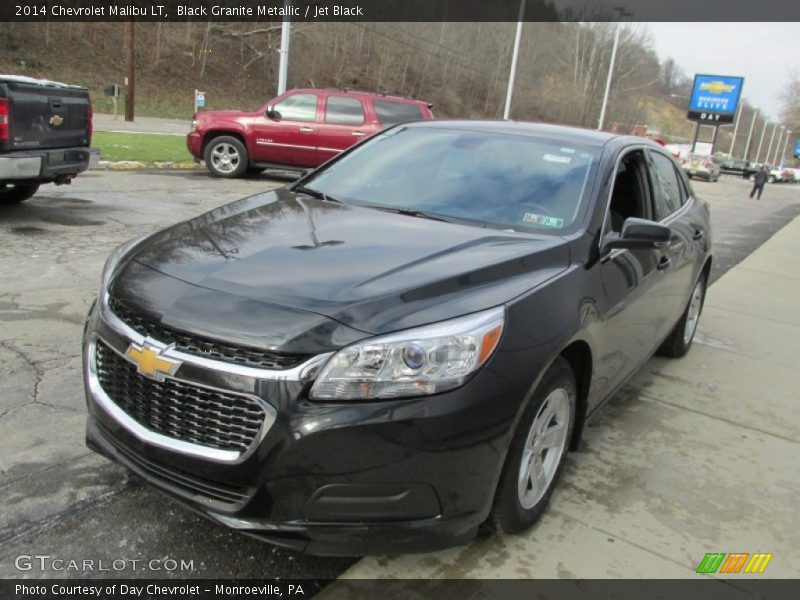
(696, 455)
(106, 122)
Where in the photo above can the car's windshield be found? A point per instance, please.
(505, 181)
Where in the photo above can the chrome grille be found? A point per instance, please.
(207, 348)
(179, 410)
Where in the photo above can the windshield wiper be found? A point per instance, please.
(410, 212)
(316, 194)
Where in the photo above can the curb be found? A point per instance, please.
(129, 165)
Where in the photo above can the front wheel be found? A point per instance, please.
(682, 335)
(226, 157)
(16, 193)
(536, 455)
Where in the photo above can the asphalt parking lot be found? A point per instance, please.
(60, 499)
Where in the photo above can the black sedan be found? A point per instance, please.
(399, 348)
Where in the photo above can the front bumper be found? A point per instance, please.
(325, 478)
(194, 143)
(47, 165)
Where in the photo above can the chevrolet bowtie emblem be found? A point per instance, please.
(56, 120)
(150, 363)
(717, 87)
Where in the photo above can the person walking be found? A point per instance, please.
(760, 180)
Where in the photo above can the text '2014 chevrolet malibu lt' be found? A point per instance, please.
(402, 346)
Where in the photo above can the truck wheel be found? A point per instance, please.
(226, 157)
(14, 194)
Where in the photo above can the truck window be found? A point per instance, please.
(341, 110)
(299, 107)
(391, 113)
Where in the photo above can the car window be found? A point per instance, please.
(341, 110)
(298, 107)
(393, 113)
(665, 185)
(504, 181)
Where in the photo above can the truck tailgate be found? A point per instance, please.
(48, 116)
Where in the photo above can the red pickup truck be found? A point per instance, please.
(299, 129)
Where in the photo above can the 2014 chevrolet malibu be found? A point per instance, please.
(401, 346)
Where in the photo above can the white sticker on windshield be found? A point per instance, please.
(558, 159)
(535, 219)
(567, 150)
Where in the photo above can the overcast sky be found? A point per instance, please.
(762, 53)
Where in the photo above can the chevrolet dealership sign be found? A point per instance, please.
(715, 98)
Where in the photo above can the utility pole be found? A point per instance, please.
(750, 135)
(512, 75)
(283, 65)
(130, 79)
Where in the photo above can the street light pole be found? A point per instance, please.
(778, 145)
(761, 143)
(512, 75)
(610, 74)
(283, 65)
(771, 139)
(785, 143)
(735, 129)
(750, 135)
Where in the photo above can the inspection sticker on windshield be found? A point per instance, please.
(558, 159)
(553, 222)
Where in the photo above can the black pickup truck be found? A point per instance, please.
(45, 135)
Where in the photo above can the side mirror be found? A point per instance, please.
(638, 233)
(273, 114)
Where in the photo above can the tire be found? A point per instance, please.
(772, 178)
(681, 337)
(226, 157)
(14, 194)
(518, 503)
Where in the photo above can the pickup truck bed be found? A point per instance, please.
(45, 135)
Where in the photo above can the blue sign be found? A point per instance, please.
(715, 98)
(797, 149)
(201, 100)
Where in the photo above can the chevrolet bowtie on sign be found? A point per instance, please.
(717, 87)
(150, 363)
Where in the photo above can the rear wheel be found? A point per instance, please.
(681, 337)
(537, 452)
(15, 193)
(226, 157)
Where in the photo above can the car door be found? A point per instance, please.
(676, 208)
(629, 279)
(343, 123)
(289, 137)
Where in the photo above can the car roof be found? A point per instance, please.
(361, 94)
(580, 135)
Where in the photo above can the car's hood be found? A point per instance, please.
(370, 270)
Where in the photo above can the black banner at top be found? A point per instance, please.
(398, 10)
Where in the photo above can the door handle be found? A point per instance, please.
(306, 129)
(664, 263)
(699, 234)
(359, 133)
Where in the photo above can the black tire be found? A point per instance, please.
(772, 178)
(508, 512)
(677, 344)
(14, 194)
(226, 157)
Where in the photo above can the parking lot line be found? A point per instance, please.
(696, 455)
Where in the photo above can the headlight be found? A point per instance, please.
(113, 260)
(416, 362)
